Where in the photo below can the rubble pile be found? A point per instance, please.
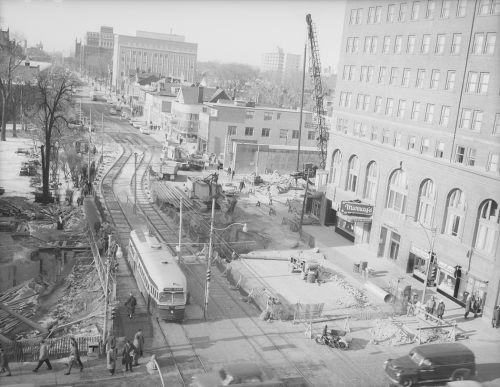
(359, 301)
(435, 335)
(386, 331)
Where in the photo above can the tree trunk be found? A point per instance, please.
(45, 173)
(14, 119)
(4, 119)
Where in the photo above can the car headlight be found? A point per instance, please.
(398, 374)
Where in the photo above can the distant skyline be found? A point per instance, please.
(225, 30)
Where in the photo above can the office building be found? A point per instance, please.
(280, 63)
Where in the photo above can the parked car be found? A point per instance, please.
(144, 130)
(229, 189)
(240, 374)
(138, 124)
(432, 363)
(112, 111)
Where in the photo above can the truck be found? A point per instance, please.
(166, 170)
(93, 96)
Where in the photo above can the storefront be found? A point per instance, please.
(353, 221)
(418, 263)
(448, 280)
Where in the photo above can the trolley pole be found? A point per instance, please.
(179, 254)
(135, 183)
(209, 263)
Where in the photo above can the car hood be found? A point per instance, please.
(209, 379)
(403, 362)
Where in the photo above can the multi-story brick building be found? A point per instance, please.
(164, 55)
(95, 44)
(416, 140)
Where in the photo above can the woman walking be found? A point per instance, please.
(77, 351)
(111, 360)
(72, 358)
(139, 345)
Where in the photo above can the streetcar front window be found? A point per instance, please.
(166, 298)
(178, 298)
(171, 298)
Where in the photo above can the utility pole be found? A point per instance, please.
(209, 263)
(90, 142)
(135, 183)
(180, 233)
(304, 203)
(301, 106)
(102, 139)
(105, 330)
(431, 253)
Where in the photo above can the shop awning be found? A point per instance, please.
(354, 219)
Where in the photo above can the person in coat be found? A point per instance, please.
(128, 355)
(429, 306)
(44, 356)
(4, 362)
(111, 356)
(77, 352)
(242, 185)
(139, 345)
(110, 342)
(130, 304)
(151, 366)
(476, 305)
(440, 309)
(72, 358)
(468, 306)
(496, 317)
(97, 225)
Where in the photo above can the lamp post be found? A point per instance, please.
(209, 258)
(135, 177)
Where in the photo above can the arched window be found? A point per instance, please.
(335, 168)
(398, 191)
(371, 181)
(353, 174)
(488, 225)
(427, 202)
(455, 213)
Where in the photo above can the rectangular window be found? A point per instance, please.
(370, 74)
(496, 125)
(389, 106)
(445, 9)
(465, 119)
(397, 139)
(295, 134)
(265, 132)
(439, 149)
(352, 70)
(459, 154)
(249, 114)
(359, 15)
(471, 157)
(378, 14)
(398, 43)
(355, 45)
(491, 39)
(381, 75)
(373, 47)
(434, 80)
(390, 13)
(278, 116)
(348, 46)
(420, 78)
(283, 133)
(410, 47)
(472, 79)
(462, 4)
(364, 73)
(366, 102)
(268, 116)
(429, 113)
(248, 131)
(342, 98)
(445, 116)
(371, 15)
(374, 133)
(385, 136)
(455, 44)
(401, 108)
(488, 7)
(426, 42)
(440, 44)
(352, 17)
(339, 124)
(348, 100)
(414, 10)
(378, 103)
(357, 128)
(484, 79)
(402, 12)
(368, 43)
(493, 162)
(362, 132)
(415, 110)
(424, 147)
(311, 135)
(431, 6)
(387, 43)
(477, 119)
(411, 142)
(392, 79)
(450, 81)
(359, 102)
(478, 45)
(406, 78)
(231, 130)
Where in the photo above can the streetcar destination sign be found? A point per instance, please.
(173, 289)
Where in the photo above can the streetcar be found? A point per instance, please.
(158, 276)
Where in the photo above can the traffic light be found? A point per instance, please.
(113, 313)
(432, 272)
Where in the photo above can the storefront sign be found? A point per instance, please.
(394, 229)
(445, 267)
(351, 208)
(419, 252)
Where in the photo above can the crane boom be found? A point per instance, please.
(315, 72)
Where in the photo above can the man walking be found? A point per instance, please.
(229, 171)
(44, 356)
(139, 345)
(97, 225)
(242, 185)
(77, 353)
(130, 304)
(468, 306)
(110, 342)
(128, 355)
(429, 306)
(440, 309)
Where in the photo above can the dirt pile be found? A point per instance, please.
(387, 332)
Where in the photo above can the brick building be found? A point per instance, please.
(415, 140)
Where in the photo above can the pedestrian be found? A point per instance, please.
(110, 342)
(130, 304)
(128, 355)
(72, 358)
(4, 362)
(468, 305)
(77, 353)
(97, 225)
(440, 309)
(429, 306)
(44, 356)
(496, 317)
(475, 306)
(229, 171)
(111, 356)
(89, 185)
(242, 185)
(232, 174)
(139, 346)
(151, 366)
(85, 190)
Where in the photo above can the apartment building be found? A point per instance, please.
(165, 55)
(276, 131)
(279, 62)
(95, 44)
(416, 141)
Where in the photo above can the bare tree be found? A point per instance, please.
(52, 108)
(11, 55)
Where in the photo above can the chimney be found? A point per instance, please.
(200, 94)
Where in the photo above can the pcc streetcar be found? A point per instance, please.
(159, 277)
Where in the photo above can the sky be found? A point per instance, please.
(225, 30)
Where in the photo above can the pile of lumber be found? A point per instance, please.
(15, 300)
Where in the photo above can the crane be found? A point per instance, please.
(318, 94)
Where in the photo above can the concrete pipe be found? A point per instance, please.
(380, 293)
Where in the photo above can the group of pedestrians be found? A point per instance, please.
(473, 304)
(103, 231)
(131, 352)
(431, 305)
